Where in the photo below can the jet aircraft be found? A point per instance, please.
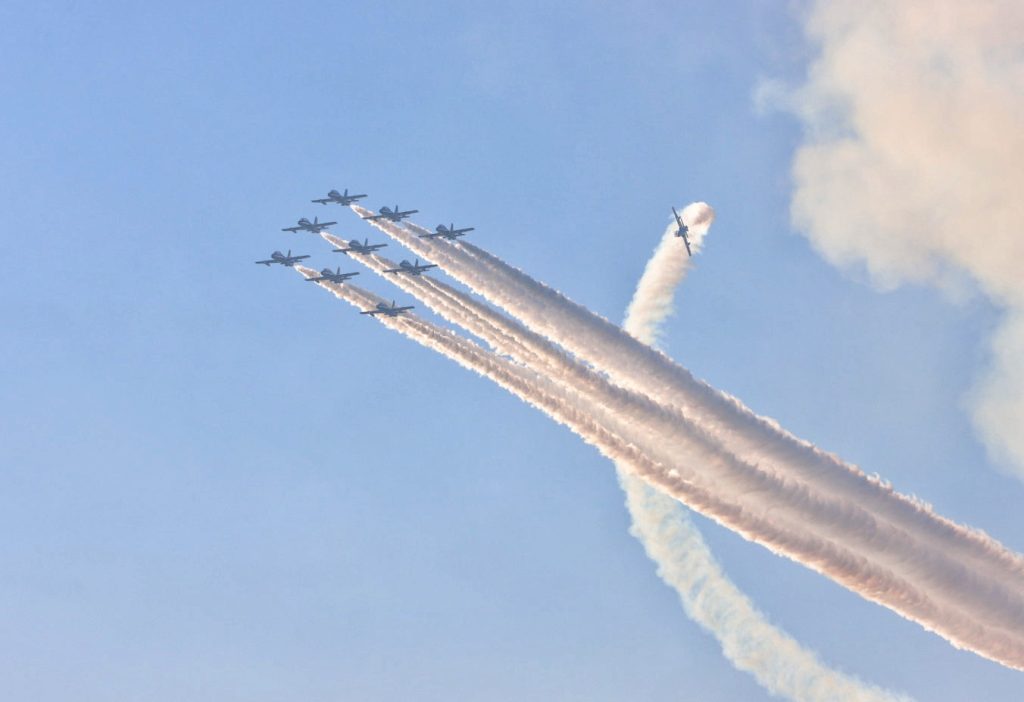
(343, 199)
(683, 231)
(333, 276)
(450, 232)
(411, 268)
(284, 259)
(392, 215)
(363, 248)
(386, 310)
(316, 226)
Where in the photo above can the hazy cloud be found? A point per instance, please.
(913, 164)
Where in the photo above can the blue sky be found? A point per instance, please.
(222, 484)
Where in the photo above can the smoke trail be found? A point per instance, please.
(777, 661)
(652, 301)
(755, 439)
(763, 441)
(790, 539)
(596, 340)
(751, 437)
(670, 539)
(444, 301)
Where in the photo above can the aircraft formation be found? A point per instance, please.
(354, 247)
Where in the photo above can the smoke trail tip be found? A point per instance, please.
(698, 216)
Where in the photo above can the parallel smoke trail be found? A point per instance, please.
(778, 662)
(792, 540)
(756, 439)
(614, 351)
(663, 526)
(443, 300)
(867, 527)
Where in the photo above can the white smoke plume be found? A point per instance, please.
(913, 165)
(981, 625)
(670, 538)
(755, 440)
(976, 611)
(652, 302)
(787, 538)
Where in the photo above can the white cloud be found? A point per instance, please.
(913, 164)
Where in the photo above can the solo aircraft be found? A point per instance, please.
(284, 259)
(343, 199)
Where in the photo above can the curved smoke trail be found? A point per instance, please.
(671, 539)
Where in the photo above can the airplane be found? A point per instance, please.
(284, 259)
(393, 215)
(387, 311)
(450, 232)
(683, 231)
(316, 226)
(343, 199)
(411, 268)
(333, 276)
(363, 248)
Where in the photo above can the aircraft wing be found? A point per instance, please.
(407, 213)
(376, 216)
(371, 312)
(292, 229)
(427, 266)
(432, 235)
(267, 262)
(323, 201)
(325, 224)
(686, 240)
(393, 270)
(293, 259)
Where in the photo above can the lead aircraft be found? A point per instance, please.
(333, 276)
(387, 310)
(316, 226)
(343, 199)
(284, 259)
(363, 248)
(392, 215)
(450, 232)
(411, 268)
